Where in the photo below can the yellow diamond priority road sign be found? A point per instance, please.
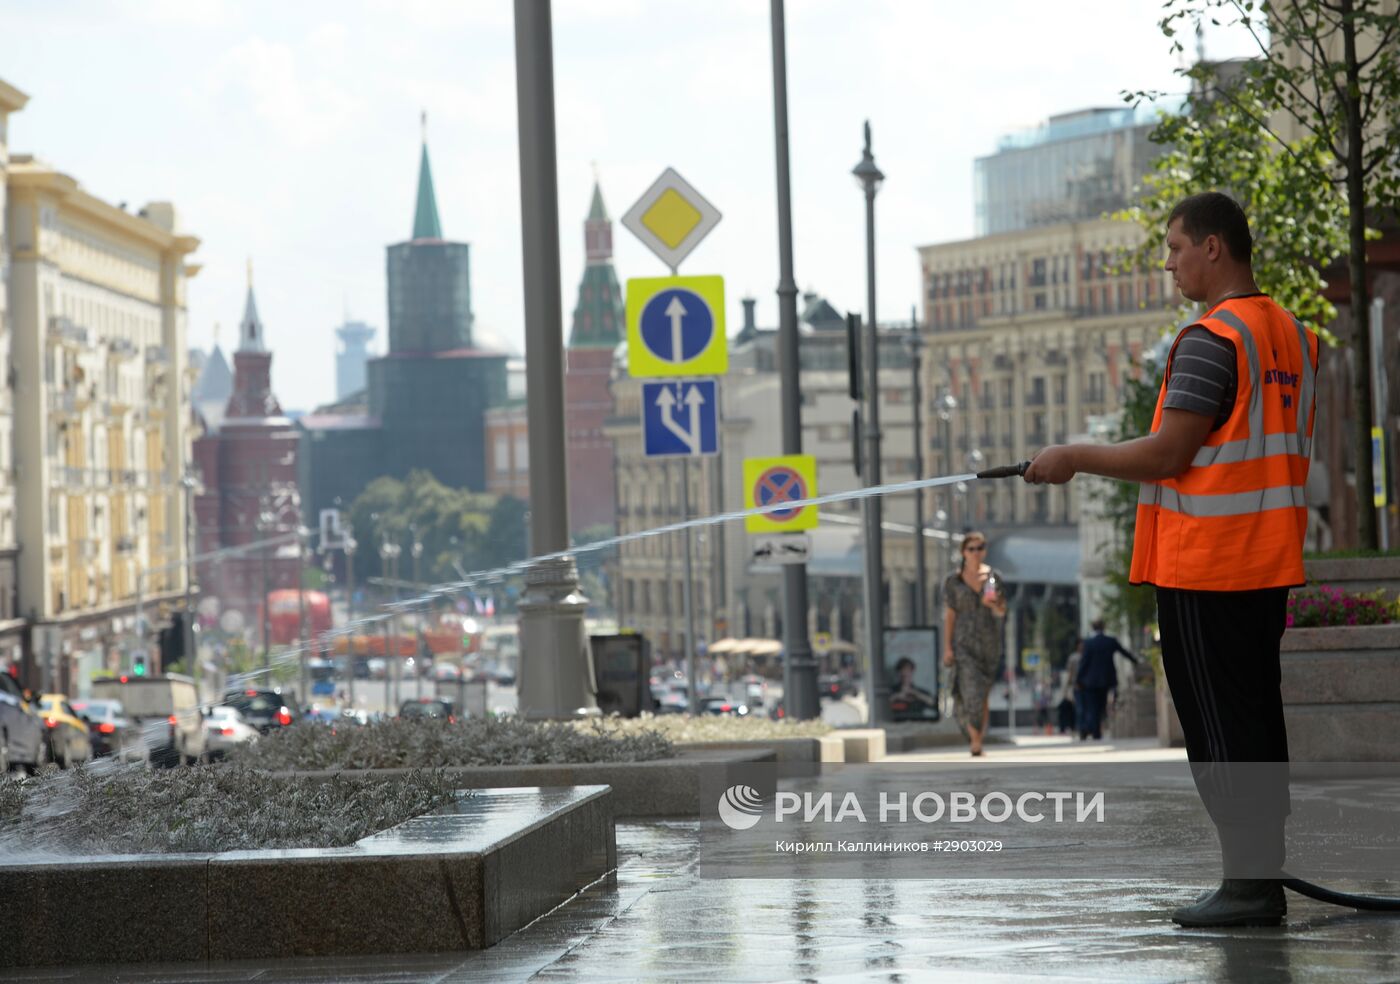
(671, 218)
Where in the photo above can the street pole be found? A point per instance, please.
(349, 545)
(266, 518)
(694, 701)
(301, 609)
(195, 670)
(799, 668)
(916, 347)
(554, 651)
(877, 687)
(1379, 423)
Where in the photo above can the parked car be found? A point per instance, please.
(723, 706)
(833, 686)
(166, 708)
(428, 707)
(225, 730)
(265, 710)
(22, 739)
(67, 732)
(447, 672)
(110, 730)
(376, 667)
(671, 701)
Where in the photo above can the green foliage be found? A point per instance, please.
(458, 529)
(1216, 142)
(1135, 604)
(1308, 135)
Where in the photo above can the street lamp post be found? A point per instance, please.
(870, 178)
(554, 675)
(799, 668)
(417, 550)
(302, 641)
(266, 521)
(916, 345)
(188, 483)
(349, 545)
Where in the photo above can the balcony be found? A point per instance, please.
(66, 330)
(65, 402)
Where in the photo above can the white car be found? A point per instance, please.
(225, 730)
(377, 667)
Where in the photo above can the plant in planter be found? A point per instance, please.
(1330, 606)
(1341, 673)
(128, 810)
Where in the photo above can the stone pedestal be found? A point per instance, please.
(556, 666)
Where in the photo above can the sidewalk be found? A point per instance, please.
(659, 921)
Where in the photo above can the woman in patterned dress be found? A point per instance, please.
(975, 606)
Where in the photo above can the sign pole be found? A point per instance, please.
(690, 668)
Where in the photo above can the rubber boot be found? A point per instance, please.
(1248, 852)
(1237, 902)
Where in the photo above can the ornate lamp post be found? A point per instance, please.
(870, 177)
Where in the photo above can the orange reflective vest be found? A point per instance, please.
(1235, 519)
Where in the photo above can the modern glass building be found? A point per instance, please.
(1073, 167)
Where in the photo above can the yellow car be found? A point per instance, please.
(67, 733)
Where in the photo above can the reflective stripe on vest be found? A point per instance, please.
(1229, 504)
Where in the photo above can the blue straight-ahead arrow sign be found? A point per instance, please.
(680, 418)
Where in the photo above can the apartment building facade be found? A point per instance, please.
(101, 416)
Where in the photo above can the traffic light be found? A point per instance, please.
(138, 665)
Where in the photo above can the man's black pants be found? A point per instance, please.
(1220, 651)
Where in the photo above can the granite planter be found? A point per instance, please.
(1355, 574)
(1341, 692)
(461, 878)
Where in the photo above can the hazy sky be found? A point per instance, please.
(289, 132)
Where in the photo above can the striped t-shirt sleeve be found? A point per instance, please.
(1201, 376)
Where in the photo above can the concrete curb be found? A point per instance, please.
(825, 749)
(660, 788)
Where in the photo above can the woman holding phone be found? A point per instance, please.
(975, 605)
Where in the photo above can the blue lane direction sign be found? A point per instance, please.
(680, 418)
(675, 327)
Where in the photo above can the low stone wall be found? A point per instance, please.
(1355, 573)
(1341, 693)
(461, 878)
(661, 788)
(822, 749)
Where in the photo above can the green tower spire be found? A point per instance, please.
(425, 216)
(599, 316)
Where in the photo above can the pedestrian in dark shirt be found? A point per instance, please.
(1097, 677)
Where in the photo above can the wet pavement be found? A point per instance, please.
(658, 920)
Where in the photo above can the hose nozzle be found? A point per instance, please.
(1005, 471)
